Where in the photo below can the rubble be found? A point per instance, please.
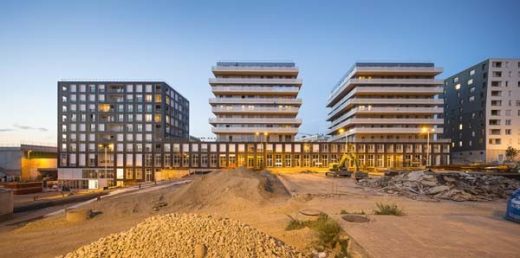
(448, 186)
(187, 235)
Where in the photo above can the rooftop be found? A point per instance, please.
(256, 64)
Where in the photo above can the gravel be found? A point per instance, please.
(187, 235)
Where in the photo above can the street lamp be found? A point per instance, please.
(428, 131)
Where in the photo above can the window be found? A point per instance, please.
(472, 72)
(457, 87)
(470, 81)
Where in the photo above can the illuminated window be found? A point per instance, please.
(104, 107)
(472, 72)
(457, 87)
(460, 126)
(470, 81)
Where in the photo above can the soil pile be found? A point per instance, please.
(187, 235)
(448, 186)
(233, 190)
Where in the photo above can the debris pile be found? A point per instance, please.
(187, 235)
(448, 186)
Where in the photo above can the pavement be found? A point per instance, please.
(27, 216)
(428, 229)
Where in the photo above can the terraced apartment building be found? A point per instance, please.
(255, 101)
(110, 132)
(388, 104)
(483, 110)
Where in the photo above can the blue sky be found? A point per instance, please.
(42, 42)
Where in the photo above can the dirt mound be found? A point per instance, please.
(187, 235)
(235, 189)
(448, 186)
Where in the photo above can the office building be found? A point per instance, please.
(483, 110)
(111, 132)
(255, 101)
(391, 106)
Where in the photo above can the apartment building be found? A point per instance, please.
(391, 106)
(110, 132)
(482, 110)
(255, 101)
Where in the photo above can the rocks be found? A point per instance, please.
(448, 186)
(187, 235)
(438, 189)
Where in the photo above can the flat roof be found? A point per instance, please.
(256, 64)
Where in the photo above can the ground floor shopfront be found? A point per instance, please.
(137, 167)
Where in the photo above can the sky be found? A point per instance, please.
(178, 42)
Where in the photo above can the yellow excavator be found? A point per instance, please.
(340, 169)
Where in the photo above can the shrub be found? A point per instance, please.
(295, 224)
(388, 209)
(327, 229)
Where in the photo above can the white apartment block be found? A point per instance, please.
(386, 102)
(483, 110)
(255, 101)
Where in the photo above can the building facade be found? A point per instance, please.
(255, 101)
(112, 130)
(390, 103)
(28, 163)
(482, 110)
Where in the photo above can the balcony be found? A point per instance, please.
(375, 121)
(387, 110)
(218, 120)
(348, 85)
(256, 81)
(274, 101)
(254, 70)
(274, 90)
(389, 130)
(383, 101)
(253, 130)
(242, 110)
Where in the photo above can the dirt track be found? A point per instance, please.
(441, 229)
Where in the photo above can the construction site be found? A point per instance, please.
(258, 213)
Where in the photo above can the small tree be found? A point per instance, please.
(511, 153)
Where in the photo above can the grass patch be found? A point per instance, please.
(295, 224)
(388, 209)
(327, 229)
(343, 212)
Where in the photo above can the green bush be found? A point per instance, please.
(295, 224)
(388, 209)
(327, 229)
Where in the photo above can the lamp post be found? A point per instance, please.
(427, 131)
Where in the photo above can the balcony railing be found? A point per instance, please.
(350, 83)
(373, 101)
(244, 109)
(403, 121)
(214, 81)
(275, 90)
(255, 121)
(252, 130)
(255, 101)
